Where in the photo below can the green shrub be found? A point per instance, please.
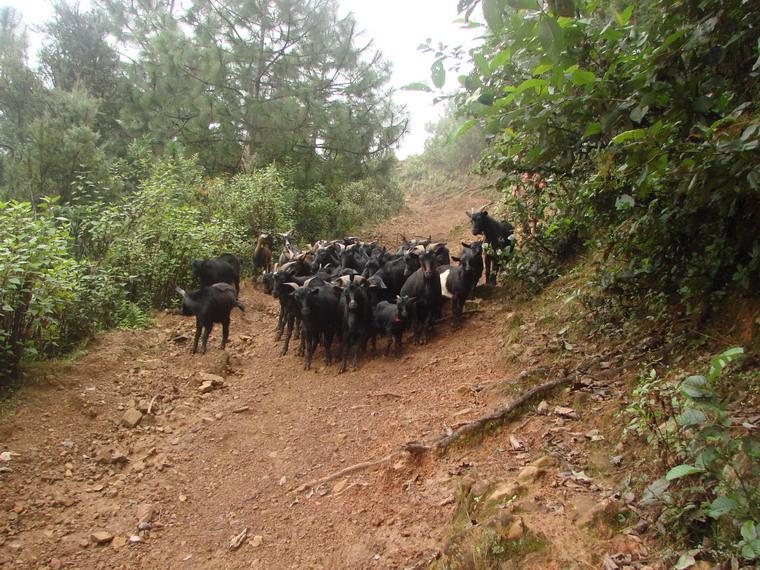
(164, 226)
(710, 494)
(259, 201)
(38, 283)
(638, 127)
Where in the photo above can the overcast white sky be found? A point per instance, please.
(397, 26)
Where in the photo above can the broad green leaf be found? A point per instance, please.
(417, 86)
(623, 17)
(720, 506)
(543, 68)
(691, 417)
(718, 363)
(749, 531)
(504, 101)
(492, 14)
(592, 129)
(697, 387)
(582, 77)
(533, 83)
(627, 136)
(463, 128)
(481, 63)
(500, 59)
(751, 550)
(675, 36)
(682, 471)
(438, 73)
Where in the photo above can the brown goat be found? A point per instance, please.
(262, 255)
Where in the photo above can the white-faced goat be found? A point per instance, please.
(457, 282)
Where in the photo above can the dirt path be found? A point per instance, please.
(202, 467)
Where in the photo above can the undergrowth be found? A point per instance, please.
(707, 501)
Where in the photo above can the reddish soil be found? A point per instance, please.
(210, 465)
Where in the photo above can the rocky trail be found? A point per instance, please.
(138, 455)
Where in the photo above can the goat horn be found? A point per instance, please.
(180, 291)
(484, 206)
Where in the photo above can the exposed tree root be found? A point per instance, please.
(418, 448)
(347, 471)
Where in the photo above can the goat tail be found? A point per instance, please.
(240, 306)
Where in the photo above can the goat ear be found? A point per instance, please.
(484, 212)
(313, 291)
(469, 214)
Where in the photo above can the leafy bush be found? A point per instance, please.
(712, 487)
(259, 201)
(38, 282)
(165, 225)
(642, 124)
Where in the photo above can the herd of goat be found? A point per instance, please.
(349, 289)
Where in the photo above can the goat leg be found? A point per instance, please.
(225, 332)
(327, 340)
(198, 327)
(288, 334)
(206, 331)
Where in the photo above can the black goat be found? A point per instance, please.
(222, 269)
(412, 261)
(210, 305)
(496, 234)
(283, 285)
(441, 252)
(320, 317)
(356, 315)
(353, 257)
(391, 319)
(392, 274)
(425, 286)
(476, 248)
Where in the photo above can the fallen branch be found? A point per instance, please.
(499, 416)
(346, 471)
